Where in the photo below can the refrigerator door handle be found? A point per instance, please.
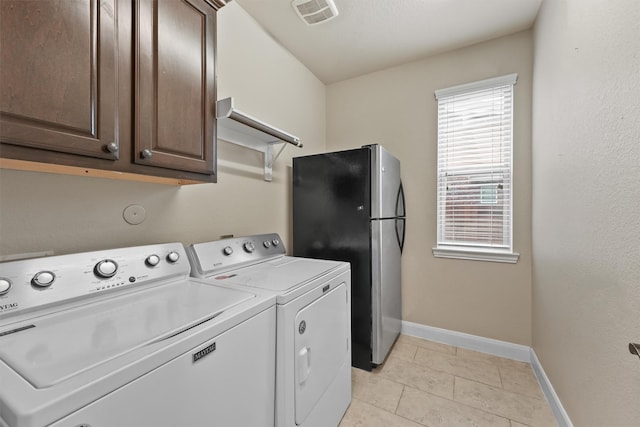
(401, 239)
(399, 199)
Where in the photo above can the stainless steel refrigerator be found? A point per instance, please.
(349, 206)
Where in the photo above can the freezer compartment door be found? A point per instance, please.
(331, 195)
(387, 196)
(386, 287)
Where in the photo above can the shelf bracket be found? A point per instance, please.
(269, 160)
(241, 129)
(268, 164)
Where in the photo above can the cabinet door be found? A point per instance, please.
(58, 79)
(175, 85)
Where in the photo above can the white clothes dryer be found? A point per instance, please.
(125, 337)
(313, 312)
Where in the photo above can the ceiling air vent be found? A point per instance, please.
(314, 12)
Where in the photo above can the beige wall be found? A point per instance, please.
(396, 108)
(586, 200)
(70, 214)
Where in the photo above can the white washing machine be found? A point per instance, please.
(125, 337)
(313, 302)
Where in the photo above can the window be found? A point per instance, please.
(475, 142)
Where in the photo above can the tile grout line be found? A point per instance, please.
(456, 374)
(414, 354)
(514, 391)
(395, 411)
(500, 377)
(500, 388)
(427, 347)
(410, 386)
(453, 397)
(474, 360)
(458, 403)
(478, 409)
(518, 395)
(403, 417)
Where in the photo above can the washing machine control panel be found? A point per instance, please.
(209, 258)
(30, 284)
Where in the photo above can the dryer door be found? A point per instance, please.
(321, 346)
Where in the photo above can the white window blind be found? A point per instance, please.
(475, 145)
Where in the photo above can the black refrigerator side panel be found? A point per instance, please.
(331, 208)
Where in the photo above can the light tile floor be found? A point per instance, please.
(423, 383)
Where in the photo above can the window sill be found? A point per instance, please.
(476, 255)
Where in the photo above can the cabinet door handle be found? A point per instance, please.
(146, 153)
(112, 147)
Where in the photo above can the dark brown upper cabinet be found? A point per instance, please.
(58, 76)
(109, 88)
(175, 84)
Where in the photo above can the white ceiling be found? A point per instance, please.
(370, 35)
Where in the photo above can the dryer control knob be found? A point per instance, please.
(266, 244)
(228, 250)
(43, 279)
(106, 268)
(275, 242)
(173, 257)
(249, 247)
(152, 260)
(5, 285)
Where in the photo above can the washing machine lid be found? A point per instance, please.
(280, 275)
(54, 348)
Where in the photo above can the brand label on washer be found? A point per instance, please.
(204, 352)
(8, 306)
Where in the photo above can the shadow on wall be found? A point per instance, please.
(289, 190)
(239, 161)
(600, 296)
(66, 214)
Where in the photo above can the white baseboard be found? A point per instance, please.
(556, 406)
(505, 349)
(468, 341)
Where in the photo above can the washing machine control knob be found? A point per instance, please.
(5, 285)
(275, 242)
(152, 260)
(249, 247)
(173, 257)
(43, 279)
(266, 244)
(106, 268)
(228, 250)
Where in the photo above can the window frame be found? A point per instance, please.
(469, 251)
